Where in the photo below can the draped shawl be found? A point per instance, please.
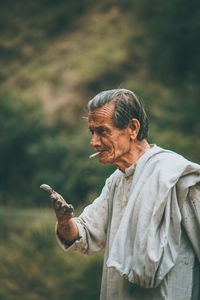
(147, 242)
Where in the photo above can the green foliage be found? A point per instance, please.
(34, 23)
(174, 118)
(65, 165)
(171, 37)
(33, 153)
(55, 150)
(33, 266)
(66, 52)
(20, 128)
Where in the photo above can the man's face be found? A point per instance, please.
(112, 142)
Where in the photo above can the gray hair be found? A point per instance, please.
(127, 107)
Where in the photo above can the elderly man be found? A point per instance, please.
(148, 215)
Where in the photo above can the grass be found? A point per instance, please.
(33, 266)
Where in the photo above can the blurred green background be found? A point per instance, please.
(55, 55)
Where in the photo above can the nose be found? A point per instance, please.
(95, 141)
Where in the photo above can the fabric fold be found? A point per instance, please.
(147, 242)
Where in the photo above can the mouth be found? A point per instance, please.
(104, 153)
(99, 152)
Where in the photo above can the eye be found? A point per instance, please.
(101, 131)
(91, 131)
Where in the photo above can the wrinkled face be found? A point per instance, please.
(112, 143)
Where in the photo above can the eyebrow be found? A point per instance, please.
(98, 128)
(101, 127)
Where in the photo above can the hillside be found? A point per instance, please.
(59, 57)
(55, 55)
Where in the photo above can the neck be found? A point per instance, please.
(138, 148)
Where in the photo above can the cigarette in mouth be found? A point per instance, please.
(94, 154)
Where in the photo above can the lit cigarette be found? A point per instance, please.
(94, 154)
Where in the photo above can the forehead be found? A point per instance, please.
(102, 115)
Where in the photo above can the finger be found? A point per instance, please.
(47, 188)
(58, 204)
(70, 208)
(57, 200)
(67, 208)
(54, 196)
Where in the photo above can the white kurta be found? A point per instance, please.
(99, 225)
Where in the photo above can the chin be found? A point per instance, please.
(105, 160)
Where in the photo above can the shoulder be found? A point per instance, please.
(168, 166)
(170, 160)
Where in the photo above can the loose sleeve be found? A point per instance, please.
(191, 217)
(92, 225)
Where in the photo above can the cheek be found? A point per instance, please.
(106, 142)
(116, 144)
(123, 145)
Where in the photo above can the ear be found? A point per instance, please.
(134, 126)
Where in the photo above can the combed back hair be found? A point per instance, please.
(127, 107)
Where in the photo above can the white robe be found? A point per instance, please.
(148, 221)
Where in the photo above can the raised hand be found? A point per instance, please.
(62, 209)
(66, 227)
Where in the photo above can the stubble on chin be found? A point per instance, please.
(106, 160)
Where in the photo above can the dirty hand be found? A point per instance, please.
(63, 211)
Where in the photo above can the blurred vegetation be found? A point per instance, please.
(55, 56)
(33, 267)
(34, 152)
